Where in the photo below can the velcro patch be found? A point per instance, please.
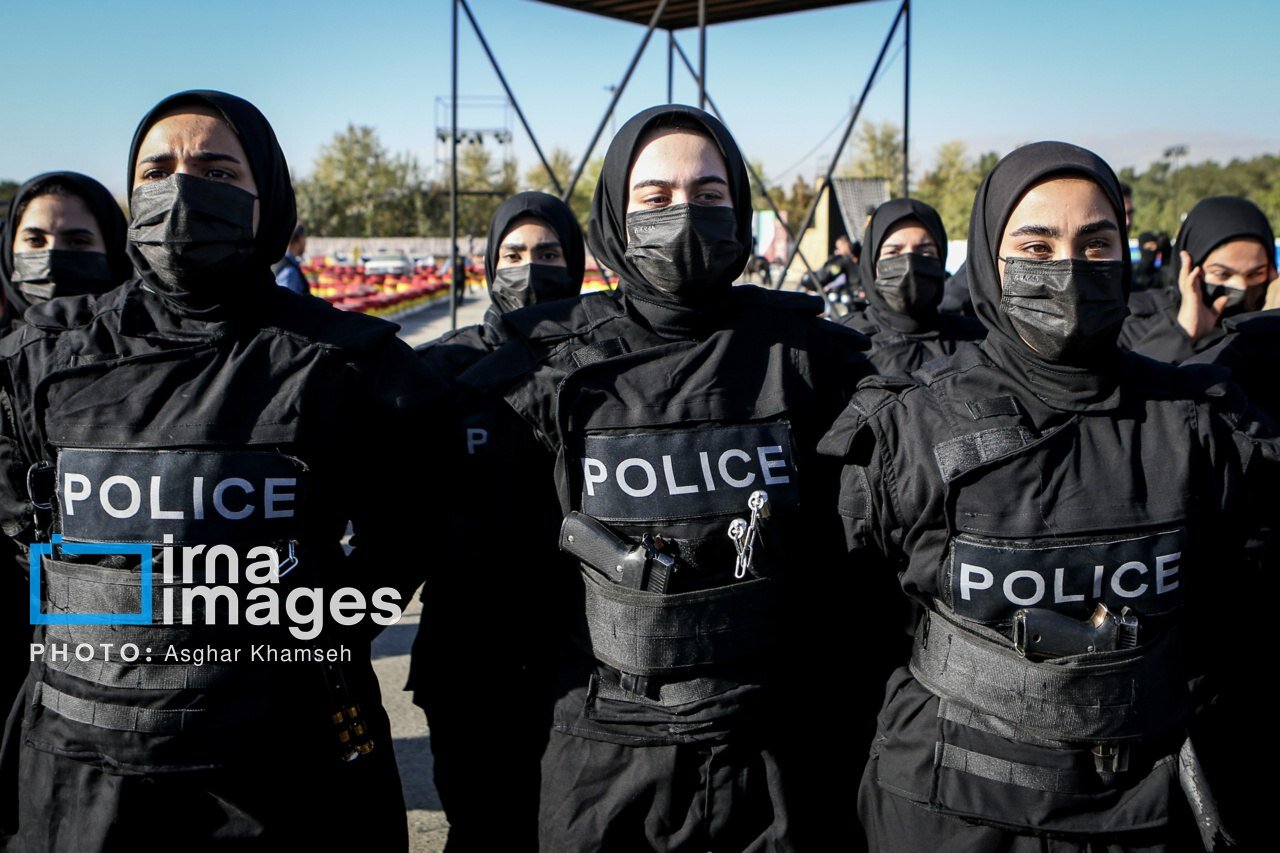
(685, 474)
(197, 496)
(990, 581)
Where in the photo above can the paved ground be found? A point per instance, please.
(427, 826)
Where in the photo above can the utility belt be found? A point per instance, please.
(668, 655)
(1085, 741)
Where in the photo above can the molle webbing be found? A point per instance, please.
(1108, 696)
(959, 455)
(646, 633)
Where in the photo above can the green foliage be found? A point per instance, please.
(358, 188)
(7, 189)
(562, 164)
(1162, 196)
(877, 153)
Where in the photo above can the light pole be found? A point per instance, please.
(1174, 152)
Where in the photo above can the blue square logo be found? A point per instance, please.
(43, 549)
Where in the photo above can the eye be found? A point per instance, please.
(511, 256)
(709, 196)
(35, 241)
(549, 255)
(1097, 246)
(220, 175)
(890, 252)
(1038, 249)
(656, 199)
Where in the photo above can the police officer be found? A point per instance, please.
(1226, 259)
(905, 259)
(839, 276)
(200, 406)
(676, 724)
(1065, 516)
(534, 255)
(64, 235)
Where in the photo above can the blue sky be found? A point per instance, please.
(1125, 77)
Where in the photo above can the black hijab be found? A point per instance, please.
(277, 214)
(607, 231)
(101, 204)
(551, 210)
(882, 221)
(1062, 386)
(1220, 219)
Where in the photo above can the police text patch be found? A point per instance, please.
(666, 476)
(989, 582)
(197, 496)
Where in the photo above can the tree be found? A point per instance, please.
(877, 153)
(358, 188)
(563, 163)
(950, 186)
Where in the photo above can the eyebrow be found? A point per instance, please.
(199, 156)
(1055, 233)
(927, 241)
(522, 247)
(666, 185)
(33, 229)
(1218, 265)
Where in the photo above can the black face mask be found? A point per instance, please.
(1068, 311)
(685, 249)
(192, 231)
(48, 273)
(910, 284)
(517, 287)
(1236, 297)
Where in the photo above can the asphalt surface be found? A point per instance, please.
(427, 826)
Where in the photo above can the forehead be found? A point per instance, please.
(1064, 199)
(193, 128)
(676, 153)
(1240, 255)
(53, 212)
(529, 229)
(908, 229)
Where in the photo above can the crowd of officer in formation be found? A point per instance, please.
(700, 568)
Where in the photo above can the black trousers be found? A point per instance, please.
(747, 795)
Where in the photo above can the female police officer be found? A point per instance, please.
(675, 724)
(1069, 519)
(235, 408)
(534, 255)
(904, 259)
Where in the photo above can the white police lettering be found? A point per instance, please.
(992, 591)
(476, 437)
(686, 473)
(123, 497)
(639, 478)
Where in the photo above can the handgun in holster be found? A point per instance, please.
(640, 566)
(1040, 634)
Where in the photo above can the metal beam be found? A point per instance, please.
(453, 182)
(617, 93)
(702, 54)
(848, 131)
(756, 176)
(511, 97)
(906, 100)
(466, 7)
(671, 66)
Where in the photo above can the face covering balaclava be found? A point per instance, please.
(191, 238)
(676, 263)
(30, 277)
(1222, 219)
(1070, 311)
(516, 287)
(905, 289)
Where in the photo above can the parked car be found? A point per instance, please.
(389, 263)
